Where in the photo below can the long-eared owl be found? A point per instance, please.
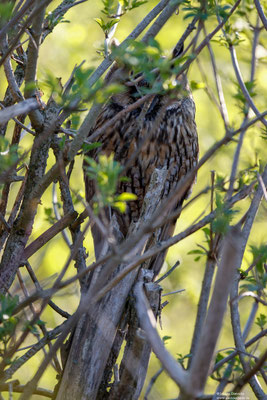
(160, 134)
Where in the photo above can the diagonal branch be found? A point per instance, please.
(148, 324)
(23, 107)
(44, 238)
(243, 87)
(206, 345)
(261, 13)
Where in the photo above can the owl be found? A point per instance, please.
(159, 134)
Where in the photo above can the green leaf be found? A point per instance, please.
(197, 85)
(125, 196)
(166, 338)
(100, 22)
(119, 205)
(90, 146)
(196, 252)
(261, 321)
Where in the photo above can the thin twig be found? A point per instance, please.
(152, 382)
(13, 21)
(261, 13)
(223, 107)
(243, 87)
(250, 374)
(174, 292)
(49, 234)
(61, 312)
(9, 372)
(23, 29)
(168, 272)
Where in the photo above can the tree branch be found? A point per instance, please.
(261, 13)
(148, 324)
(251, 214)
(207, 342)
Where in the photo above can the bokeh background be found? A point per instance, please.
(78, 38)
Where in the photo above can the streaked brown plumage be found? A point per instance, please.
(165, 134)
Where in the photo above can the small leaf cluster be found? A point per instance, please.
(222, 372)
(231, 36)
(166, 338)
(146, 59)
(106, 174)
(110, 6)
(181, 359)
(129, 5)
(223, 215)
(211, 8)
(259, 256)
(247, 175)
(202, 251)
(239, 96)
(98, 92)
(6, 11)
(49, 215)
(256, 281)
(8, 154)
(261, 321)
(7, 321)
(246, 7)
(34, 328)
(110, 9)
(106, 25)
(53, 20)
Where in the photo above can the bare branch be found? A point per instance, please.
(33, 350)
(168, 272)
(234, 353)
(13, 21)
(251, 214)
(61, 312)
(202, 305)
(251, 373)
(206, 345)
(24, 107)
(160, 21)
(261, 13)
(152, 381)
(12, 83)
(148, 324)
(31, 66)
(23, 29)
(223, 107)
(5, 387)
(44, 238)
(243, 87)
(207, 39)
(58, 13)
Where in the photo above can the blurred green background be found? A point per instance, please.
(78, 39)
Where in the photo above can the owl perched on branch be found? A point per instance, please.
(159, 134)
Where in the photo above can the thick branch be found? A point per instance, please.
(206, 345)
(148, 324)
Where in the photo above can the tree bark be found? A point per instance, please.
(96, 331)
